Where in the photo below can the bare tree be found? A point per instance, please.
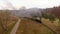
(4, 17)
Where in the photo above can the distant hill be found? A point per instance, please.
(27, 12)
(55, 11)
(31, 12)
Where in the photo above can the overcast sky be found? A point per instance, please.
(29, 3)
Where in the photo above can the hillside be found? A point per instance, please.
(56, 11)
(32, 27)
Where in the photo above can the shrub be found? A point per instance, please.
(49, 16)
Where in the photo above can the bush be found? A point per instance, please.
(44, 15)
(49, 16)
(52, 18)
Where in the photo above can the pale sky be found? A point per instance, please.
(29, 3)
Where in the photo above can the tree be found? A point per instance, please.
(4, 17)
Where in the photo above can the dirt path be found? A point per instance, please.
(13, 31)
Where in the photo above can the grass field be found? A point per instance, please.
(31, 27)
